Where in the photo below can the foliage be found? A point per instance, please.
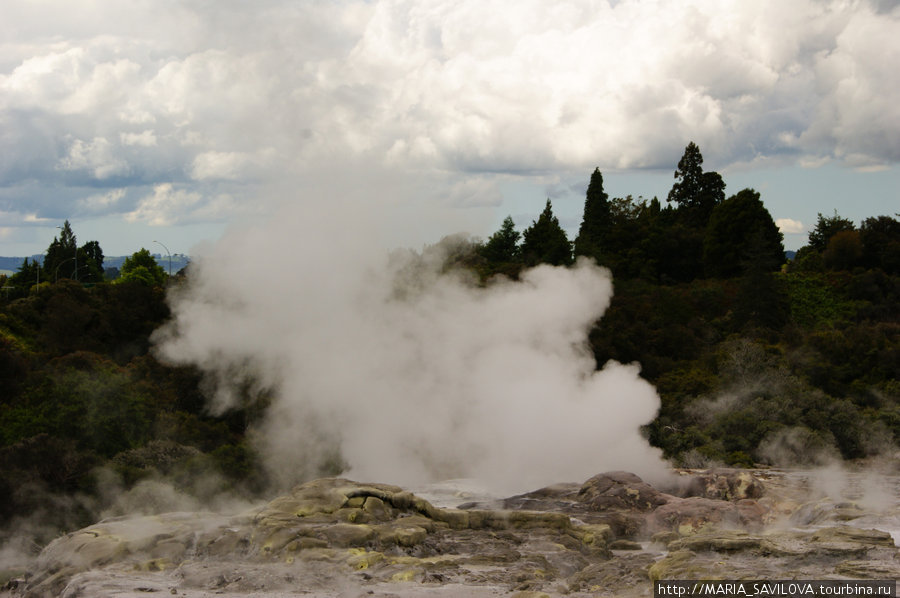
(814, 302)
(680, 251)
(141, 268)
(806, 260)
(741, 232)
(696, 193)
(826, 227)
(880, 238)
(83, 398)
(14, 368)
(91, 255)
(844, 250)
(26, 277)
(631, 237)
(545, 242)
(595, 224)
(42, 476)
(60, 260)
(78, 389)
(503, 245)
(822, 375)
(686, 192)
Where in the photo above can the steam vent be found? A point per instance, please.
(612, 535)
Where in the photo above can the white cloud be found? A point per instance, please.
(789, 226)
(858, 115)
(102, 202)
(165, 206)
(145, 138)
(72, 80)
(225, 165)
(218, 165)
(19, 218)
(422, 88)
(98, 157)
(169, 205)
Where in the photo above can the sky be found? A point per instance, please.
(166, 123)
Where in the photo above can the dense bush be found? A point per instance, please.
(83, 399)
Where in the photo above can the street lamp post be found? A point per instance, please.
(56, 274)
(167, 253)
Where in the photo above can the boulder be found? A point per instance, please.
(620, 490)
(723, 484)
(845, 534)
(692, 515)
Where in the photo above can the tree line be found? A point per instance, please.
(65, 260)
(698, 234)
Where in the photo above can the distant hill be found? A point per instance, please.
(10, 265)
(13, 263)
(179, 261)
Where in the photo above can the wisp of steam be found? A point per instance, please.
(378, 361)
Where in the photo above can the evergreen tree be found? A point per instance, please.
(61, 258)
(880, 239)
(596, 220)
(827, 227)
(712, 192)
(503, 246)
(26, 276)
(545, 241)
(90, 258)
(734, 225)
(687, 190)
(630, 238)
(697, 193)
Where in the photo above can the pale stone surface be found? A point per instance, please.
(612, 535)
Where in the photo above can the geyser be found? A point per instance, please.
(410, 375)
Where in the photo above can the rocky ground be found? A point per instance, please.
(611, 535)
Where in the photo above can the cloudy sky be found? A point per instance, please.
(171, 120)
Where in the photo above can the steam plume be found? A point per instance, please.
(409, 375)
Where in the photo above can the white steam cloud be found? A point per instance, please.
(411, 375)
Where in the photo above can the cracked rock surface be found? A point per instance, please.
(613, 534)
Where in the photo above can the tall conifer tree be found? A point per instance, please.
(690, 174)
(595, 222)
(545, 241)
(503, 246)
(60, 261)
(696, 192)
